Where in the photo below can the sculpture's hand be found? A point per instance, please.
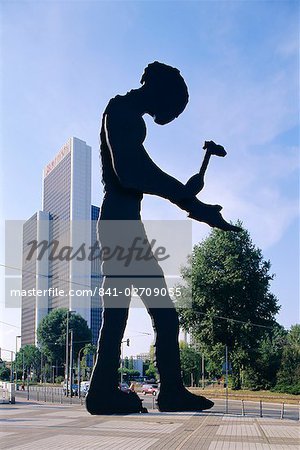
(209, 214)
(195, 184)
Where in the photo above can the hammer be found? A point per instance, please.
(196, 182)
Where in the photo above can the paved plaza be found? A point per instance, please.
(32, 426)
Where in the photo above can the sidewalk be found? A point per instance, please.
(33, 426)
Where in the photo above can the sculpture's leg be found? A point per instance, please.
(104, 396)
(173, 395)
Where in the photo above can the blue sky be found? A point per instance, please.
(63, 60)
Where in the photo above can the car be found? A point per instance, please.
(124, 387)
(74, 389)
(150, 389)
(84, 387)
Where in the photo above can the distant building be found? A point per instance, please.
(68, 218)
(138, 364)
(143, 357)
(34, 308)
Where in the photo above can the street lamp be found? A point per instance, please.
(67, 355)
(78, 368)
(71, 364)
(128, 343)
(17, 337)
(11, 365)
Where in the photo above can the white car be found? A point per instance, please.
(84, 387)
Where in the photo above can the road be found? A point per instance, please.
(251, 408)
(235, 407)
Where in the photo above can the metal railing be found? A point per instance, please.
(227, 405)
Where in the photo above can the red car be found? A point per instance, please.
(150, 389)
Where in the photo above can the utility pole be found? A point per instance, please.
(121, 366)
(11, 366)
(79, 371)
(23, 367)
(203, 371)
(41, 379)
(67, 354)
(17, 337)
(122, 362)
(226, 378)
(71, 363)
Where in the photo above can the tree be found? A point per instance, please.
(190, 364)
(289, 373)
(52, 331)
(4, 373)
(28, 358)
(268, 357)
(87, 357)
(128, 374)
(149, 366)
(152, 371)
(231, 300)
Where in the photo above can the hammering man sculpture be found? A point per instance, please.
(128, 173)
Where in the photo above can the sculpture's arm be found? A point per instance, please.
(136, 170)
(134, 167)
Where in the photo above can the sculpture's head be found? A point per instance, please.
(166, 92)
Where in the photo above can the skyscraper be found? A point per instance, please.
(69, 220)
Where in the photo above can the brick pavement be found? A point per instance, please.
(33, 426)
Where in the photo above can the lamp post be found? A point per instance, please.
(23, 367)
(79, 371)
(67, 354)
(71, 363)
(203, 371)
(128, 343)
(17, 337)
(11, 366)
(226, 378)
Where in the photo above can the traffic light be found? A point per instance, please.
(128, 342)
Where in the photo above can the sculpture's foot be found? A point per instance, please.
(114, 402)
(183, 400)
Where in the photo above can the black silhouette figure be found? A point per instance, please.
(128, 173)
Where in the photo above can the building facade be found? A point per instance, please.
(61, 235)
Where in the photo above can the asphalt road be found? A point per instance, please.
(235, 407)
(247, 408)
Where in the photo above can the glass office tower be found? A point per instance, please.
(71, 223)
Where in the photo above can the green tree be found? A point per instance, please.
(28, 358)
(87, 360)
(89, 354)
(128, 374)
(151, 372)
(289, 373)
(52, 332)
(231, 300)
(191, 361)
(4, 373)
(268, 357)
